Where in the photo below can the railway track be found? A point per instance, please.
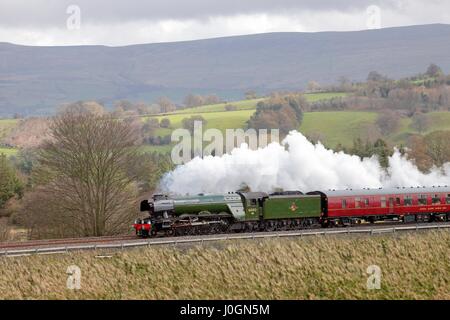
(65, 241)
(122, 242)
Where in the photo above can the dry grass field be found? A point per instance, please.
(413, 266)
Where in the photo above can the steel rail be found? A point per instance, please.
(202, 239)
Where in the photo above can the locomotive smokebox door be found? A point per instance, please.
(145, 205)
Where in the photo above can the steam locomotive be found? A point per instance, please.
(290, 210)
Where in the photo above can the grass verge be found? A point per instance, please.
(413, 266)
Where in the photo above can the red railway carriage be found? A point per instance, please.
(405, 204)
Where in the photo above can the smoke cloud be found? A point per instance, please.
(295, 164)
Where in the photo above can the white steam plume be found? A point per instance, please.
(296, 164)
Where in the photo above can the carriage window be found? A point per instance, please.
(448, 199)
(422, 199)
(436, 199)
(366, 202)
(383, 202)
(408, 201)
(357, 202)
(344, 204)
(398, 201)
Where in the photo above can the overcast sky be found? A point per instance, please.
(76, 22)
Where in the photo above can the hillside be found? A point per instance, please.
(331, 127)
(34, 80)
(251, 103)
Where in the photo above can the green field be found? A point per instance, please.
(6, 125)
(438, 121)
(337, 127)
(8, 151)
(240, 105)
(313, 97)
(217, 117)
(219, 120)
(345, 126)
(251, 104)
(331, 128)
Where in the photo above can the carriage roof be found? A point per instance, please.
(387, 191)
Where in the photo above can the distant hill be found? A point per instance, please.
(34, 80)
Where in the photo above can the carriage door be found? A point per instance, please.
(391, 205)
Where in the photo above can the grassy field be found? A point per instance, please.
(413, 266)
(438, 121)
(240, 105)
(332, 127)
(218, 120)
(337, 127)
(8, 151)
(6, 125)
(313, 97)
(251, 104)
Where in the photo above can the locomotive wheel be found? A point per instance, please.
(170, 232)
(271, 226)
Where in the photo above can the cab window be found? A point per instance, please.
(252, 202)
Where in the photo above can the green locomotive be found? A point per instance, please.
(235, 211)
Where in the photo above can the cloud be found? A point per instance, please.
(52, 12)
(134, 21)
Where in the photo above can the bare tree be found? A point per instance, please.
(437, 147)
(430, 150)
(5, 230)
(166, 105)
(165, 123)
(193, 100)
(313, 86)
(375, 76)
(251, 94)
(433, 70)
(92, 107)
(189, 123)
(388, 121)
(420, 122)
(83, 169)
